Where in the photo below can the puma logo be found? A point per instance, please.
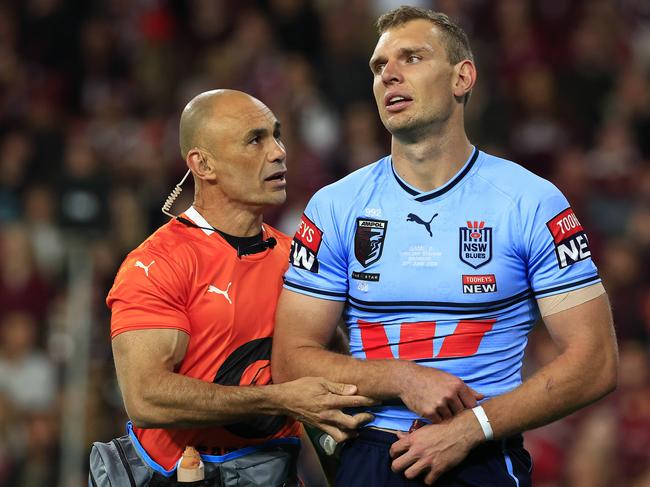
(145, 267)
(216, 290)
(412, 217)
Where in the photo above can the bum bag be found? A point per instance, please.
(122, 462)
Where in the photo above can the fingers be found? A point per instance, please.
(468, 396)
(416, 469)
(444, 412)
(339, 401)
(345, 421)
(340, 389)
(455, 405)
(400, 446)
(362, 419)
(403, 461)
(336, 433)
(476, 394)
(430, 478)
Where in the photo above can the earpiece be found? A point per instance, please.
(173, 195)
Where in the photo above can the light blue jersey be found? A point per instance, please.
(449, 278)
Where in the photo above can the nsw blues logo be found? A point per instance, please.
(476, 244)
(369, 240)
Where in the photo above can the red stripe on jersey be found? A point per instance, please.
(374, 340)
(466, 338)
(416, 340)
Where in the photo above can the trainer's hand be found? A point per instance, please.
(434, 394)
(435, 448)
(318, 401)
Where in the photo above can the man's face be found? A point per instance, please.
(245, 148)
(412, 78)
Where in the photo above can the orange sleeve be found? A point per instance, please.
(149, 291)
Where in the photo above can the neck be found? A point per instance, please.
(229, 217)
(431, 160)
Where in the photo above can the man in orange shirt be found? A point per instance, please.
(193, 309)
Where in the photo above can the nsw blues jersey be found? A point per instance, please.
(449, 278)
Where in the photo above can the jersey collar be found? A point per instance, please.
(193, 214)
(196, 217)
(419, 196)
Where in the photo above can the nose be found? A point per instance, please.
(277, 153)
(391, 73)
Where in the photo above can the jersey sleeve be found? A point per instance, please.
(318, 259)
(556, 245)
(147, 293)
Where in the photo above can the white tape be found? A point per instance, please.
(483, 420)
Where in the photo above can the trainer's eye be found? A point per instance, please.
(255, 140)
(412, 59)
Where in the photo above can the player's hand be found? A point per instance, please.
(318, 401)
(435, 448)
(434, 394)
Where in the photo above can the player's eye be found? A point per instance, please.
(378, 68)
(255, 140)
(412, 59)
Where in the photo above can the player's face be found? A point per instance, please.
(412, 78)
(249, 155)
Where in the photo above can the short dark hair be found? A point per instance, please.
(455, 39)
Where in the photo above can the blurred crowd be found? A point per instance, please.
(90, 96)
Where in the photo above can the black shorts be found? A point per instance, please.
(365, 462)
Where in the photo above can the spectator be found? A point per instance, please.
(27, 376)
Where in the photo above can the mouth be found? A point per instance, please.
(395, 102)
(277, 177)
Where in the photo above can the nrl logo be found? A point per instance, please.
(369, 240)
(475, 244)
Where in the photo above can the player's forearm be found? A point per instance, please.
(173, 400)
(379, 379)
(571, 381)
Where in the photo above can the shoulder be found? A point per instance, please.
(170, 241)
(515, 182)
(168, 248)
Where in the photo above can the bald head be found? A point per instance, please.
(207, 109)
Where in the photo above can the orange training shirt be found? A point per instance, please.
(191, 280)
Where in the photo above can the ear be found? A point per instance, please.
(198, 162)
(464, 79)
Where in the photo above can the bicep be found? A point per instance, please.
(303, 320)
(586, 326)
(141, 352)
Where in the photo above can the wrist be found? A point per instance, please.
(399, 378)
(469, 428)
(484, 422)
(275, 403)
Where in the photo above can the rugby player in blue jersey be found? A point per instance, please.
(441, 258)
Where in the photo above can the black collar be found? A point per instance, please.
(243, 245)
(439, 192)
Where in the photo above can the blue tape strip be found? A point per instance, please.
(145, 456)
(250, 449)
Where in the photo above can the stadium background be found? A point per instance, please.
(90, 94)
